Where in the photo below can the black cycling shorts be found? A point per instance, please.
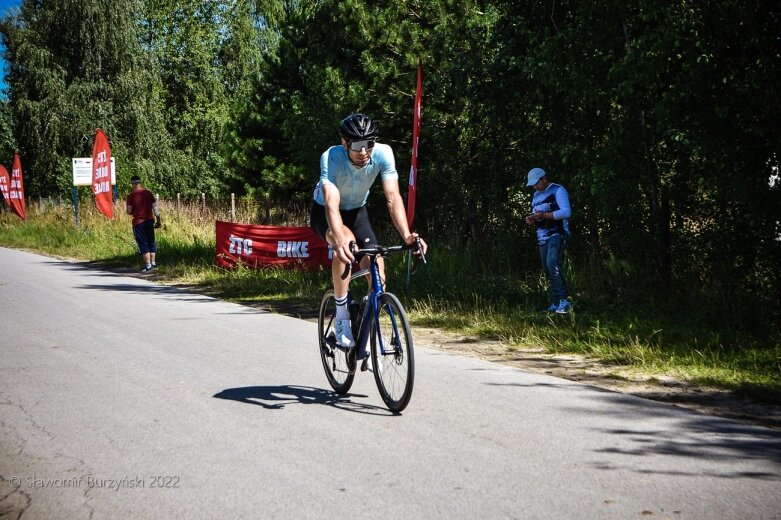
(356, 220)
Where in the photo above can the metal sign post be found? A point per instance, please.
(76, 204)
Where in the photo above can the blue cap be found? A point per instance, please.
(535, 174)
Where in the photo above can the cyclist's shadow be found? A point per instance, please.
(276, 397)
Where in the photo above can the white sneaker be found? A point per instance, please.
(344, 333)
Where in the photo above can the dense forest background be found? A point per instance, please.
(660, 117)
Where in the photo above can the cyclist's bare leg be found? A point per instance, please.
(364, 264)
(381, 265)
(337, 266)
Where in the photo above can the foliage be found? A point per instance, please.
(7, 142)
(659, 118)
(204, 53)
(74, 67)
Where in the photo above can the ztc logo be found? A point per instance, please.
(240, 246)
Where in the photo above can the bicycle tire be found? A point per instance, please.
(394, 369)
(338, 362)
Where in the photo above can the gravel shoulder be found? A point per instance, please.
(712, 401)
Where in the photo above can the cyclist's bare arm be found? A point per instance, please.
(398, 213)
(340, 240)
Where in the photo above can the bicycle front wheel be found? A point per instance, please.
(338, 362)
(393, 357)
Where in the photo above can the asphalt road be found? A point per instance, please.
(120, 398)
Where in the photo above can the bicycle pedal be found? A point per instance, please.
(365, 365)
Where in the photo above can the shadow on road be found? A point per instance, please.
(705, 437)
(182, 293)
(695, 435)
(150, 289)
(277, 397)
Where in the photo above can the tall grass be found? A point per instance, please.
(486, 292)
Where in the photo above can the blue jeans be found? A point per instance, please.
(552, 258)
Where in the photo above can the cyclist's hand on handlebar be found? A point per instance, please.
(344, 252)
(348, 250)
(413, 238)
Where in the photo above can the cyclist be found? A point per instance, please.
(339, 216)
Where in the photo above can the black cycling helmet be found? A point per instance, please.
(358, 126)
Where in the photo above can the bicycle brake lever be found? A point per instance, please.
(420, 250)
(347, 268)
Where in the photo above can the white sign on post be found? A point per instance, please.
(82, 171)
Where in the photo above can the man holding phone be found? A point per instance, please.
(550, 215)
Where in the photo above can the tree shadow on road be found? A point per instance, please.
(696, 435)
(277, 397)
(642, 429)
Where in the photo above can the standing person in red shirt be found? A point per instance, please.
(146, 217)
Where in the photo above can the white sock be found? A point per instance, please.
(342, 312)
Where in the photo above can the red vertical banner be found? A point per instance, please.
(413, 169)
(5, 182)
(16, 189)
(101, 174)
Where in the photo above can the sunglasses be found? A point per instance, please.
(356, 146)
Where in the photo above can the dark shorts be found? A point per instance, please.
(356, 220)
(145, 236)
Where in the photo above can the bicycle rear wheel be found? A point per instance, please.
(393, 357)
(338, 362)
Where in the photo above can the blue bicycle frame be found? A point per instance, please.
(370, 311)
(383, 321)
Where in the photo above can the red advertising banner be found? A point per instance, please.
(5, 182)
(413, 169)
(101, 174)
(16, 190)
(262, 246)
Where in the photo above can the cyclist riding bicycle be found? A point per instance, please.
(339, 215)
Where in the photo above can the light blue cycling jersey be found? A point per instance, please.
(353, 182)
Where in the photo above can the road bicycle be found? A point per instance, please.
(379, 319)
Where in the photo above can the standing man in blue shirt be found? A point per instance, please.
(339, 216)
(550, 215)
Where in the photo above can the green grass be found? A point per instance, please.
(455, 292)
(693, 354)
